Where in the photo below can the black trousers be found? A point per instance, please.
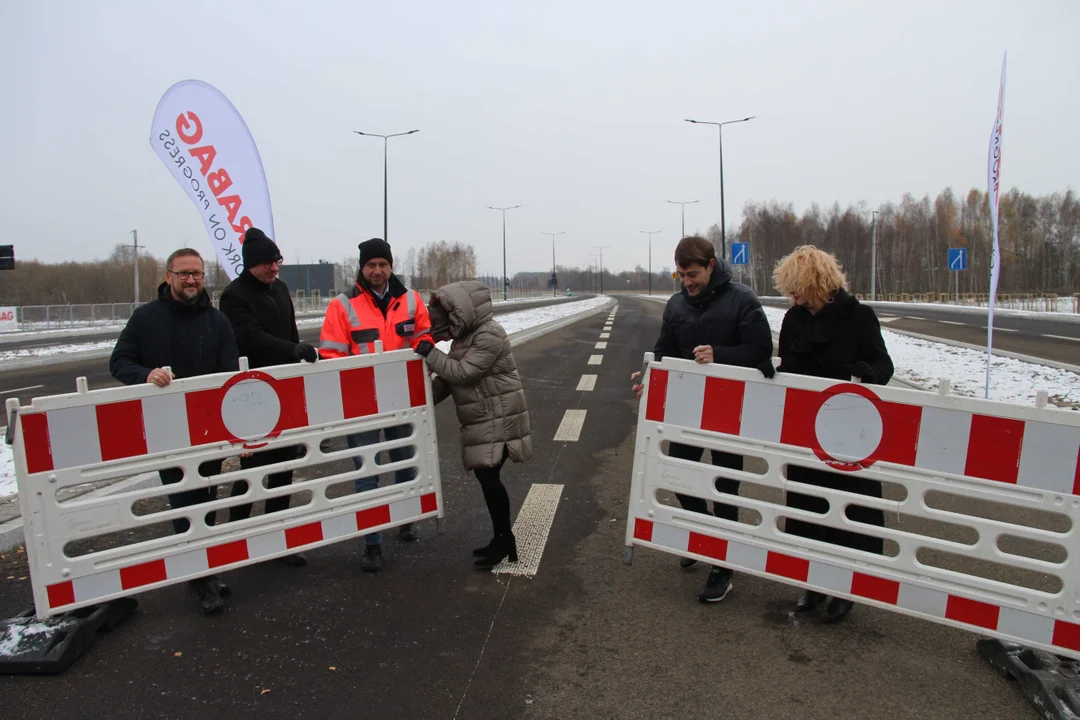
(171, 476)
(724, 485)
(495, 497)
(835, 481)
(274, 480)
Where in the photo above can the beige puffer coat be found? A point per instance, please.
(481, 375)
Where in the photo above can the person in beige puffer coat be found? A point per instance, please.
(480, 374)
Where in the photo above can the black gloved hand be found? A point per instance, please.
(863, 371)
(424, 347)
(305, 351)
(766, 368)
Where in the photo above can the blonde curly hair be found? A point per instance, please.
(808, 271)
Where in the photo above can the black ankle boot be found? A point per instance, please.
(503, 546)
(809, 600)
(482, 551)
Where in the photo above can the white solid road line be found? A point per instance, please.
(1062, 337)
(951, 322)
(587, 383)
(1001, 329)
(888, 320)
(15, 390)
(570, 427)
(601, 346)
(531, 529)
(596, 359)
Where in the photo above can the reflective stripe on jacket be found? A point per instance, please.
(354, 322)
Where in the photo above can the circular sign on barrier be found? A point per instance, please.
(848, 427)
(250, 408)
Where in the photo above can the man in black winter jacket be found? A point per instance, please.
(713, 320)
(261, 311)
(183, 332)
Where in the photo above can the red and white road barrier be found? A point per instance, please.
(70, 440)
(979, 453)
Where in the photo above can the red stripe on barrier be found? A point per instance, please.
(708, 546)
(417, 387)
(658, 380)
(721, 411)
(1076, 477)
(372, 517)
(800, 413)
(994, 448)
(293, 400)
(787, 566)
(303, 535)
(972, 612)
(227, 554)
(145, 573)
(61, 594)
(643, 529)
(875, 588)
(429, 503)
(35, 430)
(358, 392)
(204, 417)
(899, 433)
(120, 430)
(1066, 635)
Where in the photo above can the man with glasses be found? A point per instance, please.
(261, 311)
(180, 335)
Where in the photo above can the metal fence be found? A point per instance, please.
(63, 317)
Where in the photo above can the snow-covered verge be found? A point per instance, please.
(924, 363)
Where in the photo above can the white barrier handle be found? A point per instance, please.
(244, 364)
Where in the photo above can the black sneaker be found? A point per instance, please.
(372, 560)
(210, 600)
(408, 534)
(687, 563)
(222, 588)
(716, 587)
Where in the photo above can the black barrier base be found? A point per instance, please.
(29, 647)
(1050, 682)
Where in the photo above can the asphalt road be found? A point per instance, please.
(27, 383)
(588, 637)
(1037, 336)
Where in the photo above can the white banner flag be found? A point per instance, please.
(206, 146)
(993, 182)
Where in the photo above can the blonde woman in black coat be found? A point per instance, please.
(828, 333)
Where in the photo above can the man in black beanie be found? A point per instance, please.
(261, 311)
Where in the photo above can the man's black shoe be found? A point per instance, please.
(809, 600)
(372, 560)
(210, 600)
(408, 534)
(717, 586)
(687, 563)
(837, 610)
(295, 560)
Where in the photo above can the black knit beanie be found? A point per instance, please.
(375, 248)
(258, 249)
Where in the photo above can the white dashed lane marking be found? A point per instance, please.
(570, 427)
(605, 336)
(601, 346)
(596, 359)
(587, 383)
(531, 529)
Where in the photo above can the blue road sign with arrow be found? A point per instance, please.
(740, 253)
(958, 258)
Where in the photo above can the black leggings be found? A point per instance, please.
(495, 497)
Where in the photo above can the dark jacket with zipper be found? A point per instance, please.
(263, 319)
(828, 343)
(725, 314)
(190, 339)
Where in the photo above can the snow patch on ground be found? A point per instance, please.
(924, 363)
(7, 471)
(19, 637)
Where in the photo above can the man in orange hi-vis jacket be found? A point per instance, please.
(379, 307)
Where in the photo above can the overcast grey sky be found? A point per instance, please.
(572, 109)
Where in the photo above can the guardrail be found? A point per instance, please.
(1046, 302)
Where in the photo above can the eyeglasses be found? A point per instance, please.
(273, 262)
(185, 274)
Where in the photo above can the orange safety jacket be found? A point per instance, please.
(354, 322)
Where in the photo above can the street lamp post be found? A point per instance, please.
(592, 271)
(873, 257)
(504, 209)
(650, 233)
(385, 138)
(601, 249)
(684, 204)
(554, 287)
(720, 135)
